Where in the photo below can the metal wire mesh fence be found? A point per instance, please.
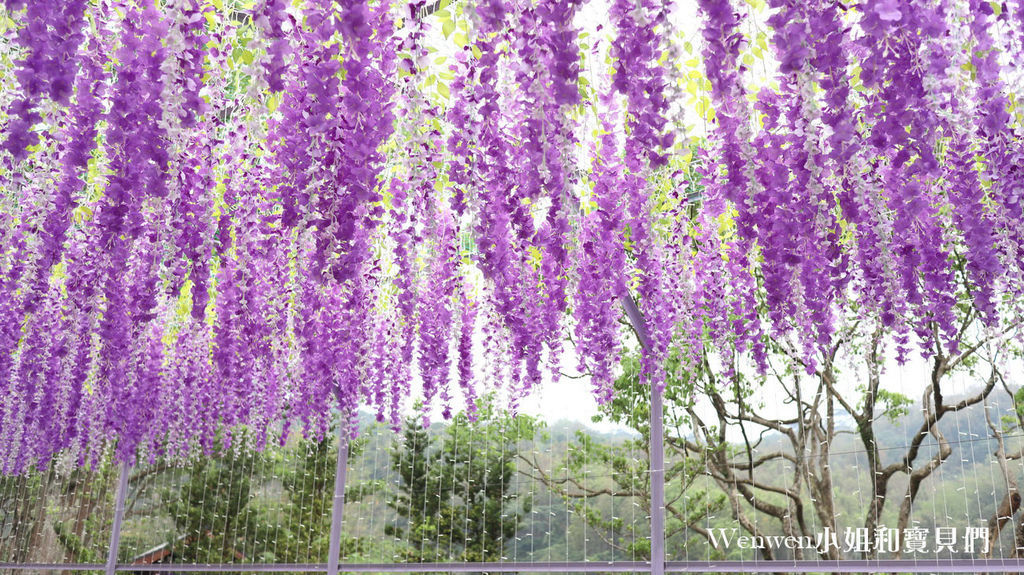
(239, 506)
(504, 493)
(57, 509)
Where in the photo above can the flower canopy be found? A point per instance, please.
(218, 214)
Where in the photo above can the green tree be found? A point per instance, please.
(216, 520)
(302, 533)
(211, 511)
(688, 504)
(71, 501)
(455, 499)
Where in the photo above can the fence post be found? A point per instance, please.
(115, 530)
(657, 448)
(657, 484)
(338, 505)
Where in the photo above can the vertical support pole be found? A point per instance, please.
(338, 505)
(115, 530)
(657, 448)
(657, 484)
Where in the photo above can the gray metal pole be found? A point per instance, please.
(115, 530)
(657, 448)
(657, 484)
(338, 506)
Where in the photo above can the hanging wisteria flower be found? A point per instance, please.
(273, 217)
(52, 37)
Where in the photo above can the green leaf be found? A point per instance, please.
(273, 102)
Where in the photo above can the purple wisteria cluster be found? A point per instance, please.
(856, 184)
(213, 219)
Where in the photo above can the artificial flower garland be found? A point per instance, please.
(215, 218)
